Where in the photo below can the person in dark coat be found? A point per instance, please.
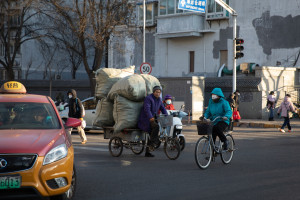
(231, 102)
(147, 120)
(76, 111)
(237, 101)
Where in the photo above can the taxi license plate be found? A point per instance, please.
(8, 182)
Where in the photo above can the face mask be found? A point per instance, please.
(168, 102)
(70, 96)
(214, 96)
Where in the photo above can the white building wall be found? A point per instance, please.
(265, 42)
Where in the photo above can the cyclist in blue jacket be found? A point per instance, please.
(218, 106)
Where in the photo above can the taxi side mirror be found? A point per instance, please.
(72, 123)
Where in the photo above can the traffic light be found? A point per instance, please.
(239, 48)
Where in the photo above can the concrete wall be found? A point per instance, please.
(277, 79)
(44, 87)
(186, 90)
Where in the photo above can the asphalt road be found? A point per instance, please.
(265, 166)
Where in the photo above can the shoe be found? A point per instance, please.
(83, 142)
(225, 145)
(282, 131)
(290, 131)
(147, 154)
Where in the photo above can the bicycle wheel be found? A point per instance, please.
(227, 155)
(156, 146)
(137, 147)
(181, 141)
(172, 148)
(203, 152)
(115, 146)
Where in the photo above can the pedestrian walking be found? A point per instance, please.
(285, 108)
(271, 101)
(76, 111)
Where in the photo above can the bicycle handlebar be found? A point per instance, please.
(216, 118)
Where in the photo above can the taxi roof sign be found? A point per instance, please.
(13, 87)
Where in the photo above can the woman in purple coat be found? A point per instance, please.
(147, 122)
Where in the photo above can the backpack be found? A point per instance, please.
(78, 109)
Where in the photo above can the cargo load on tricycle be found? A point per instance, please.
(121, 94)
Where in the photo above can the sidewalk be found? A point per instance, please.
(258, 123)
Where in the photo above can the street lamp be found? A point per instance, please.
(234, 15)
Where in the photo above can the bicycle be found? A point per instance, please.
(171, 146)
(206, 150)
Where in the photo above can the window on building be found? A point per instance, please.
(151, 14)
(15, 20)
(215, 11)
(2, 49)
(192, 61)
(169, 7)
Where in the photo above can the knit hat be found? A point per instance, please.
(168, 97)
(156, 88)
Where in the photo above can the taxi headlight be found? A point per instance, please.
(56, 154)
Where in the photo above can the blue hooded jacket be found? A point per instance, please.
(220, 108)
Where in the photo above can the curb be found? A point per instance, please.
(243, 124)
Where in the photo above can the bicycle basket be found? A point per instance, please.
(165, 121)
(204, 128)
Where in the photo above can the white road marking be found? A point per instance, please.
(91, 148)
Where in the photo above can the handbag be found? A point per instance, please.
(236, 115)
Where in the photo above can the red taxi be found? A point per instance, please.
(36, 152)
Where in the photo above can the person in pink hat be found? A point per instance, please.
(286, 107)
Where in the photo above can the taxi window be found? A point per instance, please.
(15, 115)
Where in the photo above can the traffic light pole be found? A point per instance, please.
(144, 31)
(234, 15)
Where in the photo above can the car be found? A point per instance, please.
(36, 151)
(89, 105)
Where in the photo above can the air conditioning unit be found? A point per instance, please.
(57, 77)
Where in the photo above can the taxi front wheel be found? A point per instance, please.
(69, 194)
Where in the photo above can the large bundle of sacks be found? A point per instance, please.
(122, 95)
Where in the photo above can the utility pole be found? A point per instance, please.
(144, 34)
(234, 15)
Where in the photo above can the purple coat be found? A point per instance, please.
(149, 110)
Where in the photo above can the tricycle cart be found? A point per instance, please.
(133, 139)
(136, 139)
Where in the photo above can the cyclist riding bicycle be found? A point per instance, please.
(218, 106)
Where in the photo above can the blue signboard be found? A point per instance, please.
(192, 5)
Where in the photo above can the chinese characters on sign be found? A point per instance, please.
(192, 5)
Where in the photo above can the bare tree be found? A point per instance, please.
(29, 68)
(16, 27)
(91, 23)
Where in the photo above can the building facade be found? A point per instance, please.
(182, 43)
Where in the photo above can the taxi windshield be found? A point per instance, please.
(15, 115)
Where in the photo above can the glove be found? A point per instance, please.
(224, 118)
(207, 120)
(152, 119)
